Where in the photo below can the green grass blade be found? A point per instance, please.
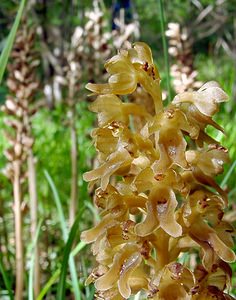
(165, 49)
(31, 270)
(137, 296)
(232, 192)
(65, 234)
(66, 258)
(93, 210)
(10, 40)
(48, 285)
(74, 278)
(92, 292)
(6, 280)
(227, 176)
(85, 274)
(58, 205)
(78, 248)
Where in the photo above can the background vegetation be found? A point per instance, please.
(212, 31)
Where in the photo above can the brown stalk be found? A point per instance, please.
(33, 217)
(22, 86)
(74, 156)
(18, 230)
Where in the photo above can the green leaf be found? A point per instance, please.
(64, 229)
(6, 280)
(48, 285)
(10, 40)
(66, 257)
(227, 176)
(58, 206)
(93, 210)
(78, 248)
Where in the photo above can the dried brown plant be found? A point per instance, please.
(165, 201)
(180, 48)
(81, 58)
(94, 45)
(125, 33)
(87, 48)
(19, 107)
(95, 42)
(71, 79)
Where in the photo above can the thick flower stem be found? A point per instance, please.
(163, 257)
(34, 217)
(158, 104)
(18, 231)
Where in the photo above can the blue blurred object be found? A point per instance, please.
(121, 4)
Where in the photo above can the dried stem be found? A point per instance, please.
(18, 230)
(33, 217)
(19, 107)
(72, 75)
(164, 44)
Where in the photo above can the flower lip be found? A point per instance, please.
(206, 99)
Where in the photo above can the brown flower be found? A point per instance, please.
(163, 201)
(206, 99)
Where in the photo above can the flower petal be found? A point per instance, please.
(108, 280)
(92, 234)
(99, 88)
(161, 207)
(123, 83)
(144, 52)
(205, 233)
(127, 268)
(114, 162)
(119, 64)
(206, 99)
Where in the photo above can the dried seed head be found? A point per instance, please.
(22, 86)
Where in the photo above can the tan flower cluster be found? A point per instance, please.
(93, 42)
(180, 48)
(165, 201)
(22, 86)
(19, 108)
